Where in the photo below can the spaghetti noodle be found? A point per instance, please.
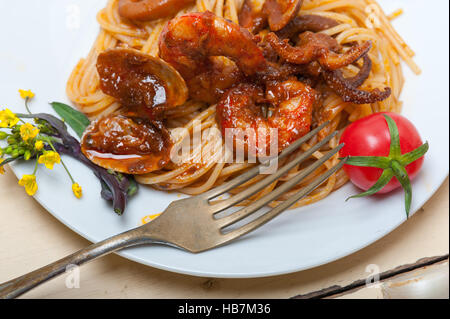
(358, 21)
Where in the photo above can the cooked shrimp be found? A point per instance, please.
(292, 103)
(195, 44)
(146, 10)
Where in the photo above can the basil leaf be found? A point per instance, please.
(75, 119)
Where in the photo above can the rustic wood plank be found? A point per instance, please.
(333, 291)
(30, 238)
(428, 282)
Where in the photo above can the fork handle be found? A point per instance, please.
(20, 285)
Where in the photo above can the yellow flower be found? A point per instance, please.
(77, 190)
(2, 169)
(28, 131)
(39, 145)
(8, 119)
(49, 159)
(26, 94)
(29, 182)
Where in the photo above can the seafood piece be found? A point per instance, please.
(281, 12)
(252, 17)
(303, 23)
(134, 142)
(127, 145)
(363, 74)
(210, 85)
(348, 90)
(146, 86)
(146, 10)
(317, 47)
(195, 44)
(292, 103)
(292, 116)
(316, 53)
(255, 14)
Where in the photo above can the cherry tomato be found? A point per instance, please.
(370, 136)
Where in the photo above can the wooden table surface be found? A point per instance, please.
(30, 238)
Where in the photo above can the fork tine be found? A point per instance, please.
(260, 221)
(255, 171)
(252, 190)
(246, 211)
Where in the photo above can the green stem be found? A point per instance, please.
(26, 105)
(402, 176)
(395, 151)
(369, 161)
(36, 166)
(62, 162)
(384, 179)
(413, 156)
(46, 138)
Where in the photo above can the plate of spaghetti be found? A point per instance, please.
(169, 87)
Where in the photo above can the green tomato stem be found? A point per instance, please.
(402, 176)
(392, 165)
(413, 156)
(370, 161)
(395, 151)
(384, 179)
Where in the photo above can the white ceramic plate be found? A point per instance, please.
(43, 40)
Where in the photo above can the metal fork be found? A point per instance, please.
(192, 224)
